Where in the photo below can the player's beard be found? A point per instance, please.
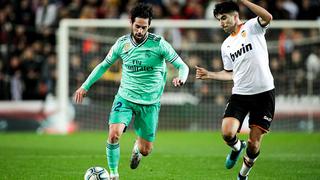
(138, 39)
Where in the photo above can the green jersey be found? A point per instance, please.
(143, 67)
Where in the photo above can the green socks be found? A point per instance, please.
(113, 156)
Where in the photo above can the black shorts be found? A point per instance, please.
(259, 106)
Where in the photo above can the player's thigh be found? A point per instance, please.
(262, 112)
(146, 121)
(235, 113)
(121, 111)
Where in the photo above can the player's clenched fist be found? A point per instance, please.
(177, 82)
(79, 95)
(201, 73)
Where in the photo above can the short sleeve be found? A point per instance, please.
(255, 27)
(113, 53)
(227, 63)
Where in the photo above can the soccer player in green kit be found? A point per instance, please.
(144, 57)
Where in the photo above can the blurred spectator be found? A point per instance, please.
(4, 82)
(279, 11)
(127, 7)
(313, 69)
(26, 15)
(15, 80)
(172, 35)
(292, 8)
(74, 8)
(209, 10)
(285, 43)
(87, 12)
(190, 38)
(76, 70)
(175, 10)
(308, 11)
(51, 74)
(108, 9)
(46, 14)
(280, 79)
(297, 73)
(193, 10)
(31, 70)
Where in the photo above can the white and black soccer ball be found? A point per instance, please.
(96, 173)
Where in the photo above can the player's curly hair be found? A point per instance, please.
(141, 10)
(225, 7)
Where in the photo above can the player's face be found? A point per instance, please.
(140, 28)
(227, 22)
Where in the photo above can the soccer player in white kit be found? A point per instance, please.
(246, 62)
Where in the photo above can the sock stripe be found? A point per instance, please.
(252, 155)
(247, 163)
(232, 141)
(113, 146)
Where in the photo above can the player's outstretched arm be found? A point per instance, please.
(97, 72)
(202, 73)
(265, 16)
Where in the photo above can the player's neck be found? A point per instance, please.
(139, 41)
(237, 28)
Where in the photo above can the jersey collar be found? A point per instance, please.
(135, 44)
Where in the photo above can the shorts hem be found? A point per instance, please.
(263, 129)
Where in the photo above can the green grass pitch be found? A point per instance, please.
(176, 156)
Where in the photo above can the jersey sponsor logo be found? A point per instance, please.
(241, 51)
(139, 68)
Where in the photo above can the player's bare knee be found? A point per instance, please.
(114, 137)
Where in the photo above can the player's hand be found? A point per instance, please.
(79, 95)
(177, 82)
(201, 73)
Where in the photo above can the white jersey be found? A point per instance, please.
(246, 55)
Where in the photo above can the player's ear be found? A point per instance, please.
(131, 21)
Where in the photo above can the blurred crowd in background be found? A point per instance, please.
(28, 28)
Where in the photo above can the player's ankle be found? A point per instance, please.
(114, 171)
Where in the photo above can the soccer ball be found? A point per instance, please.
(96, 173)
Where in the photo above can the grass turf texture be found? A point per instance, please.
(176, 155)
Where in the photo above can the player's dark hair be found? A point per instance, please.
(141, 10)
(225, 7)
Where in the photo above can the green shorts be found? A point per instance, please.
(145, 116)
